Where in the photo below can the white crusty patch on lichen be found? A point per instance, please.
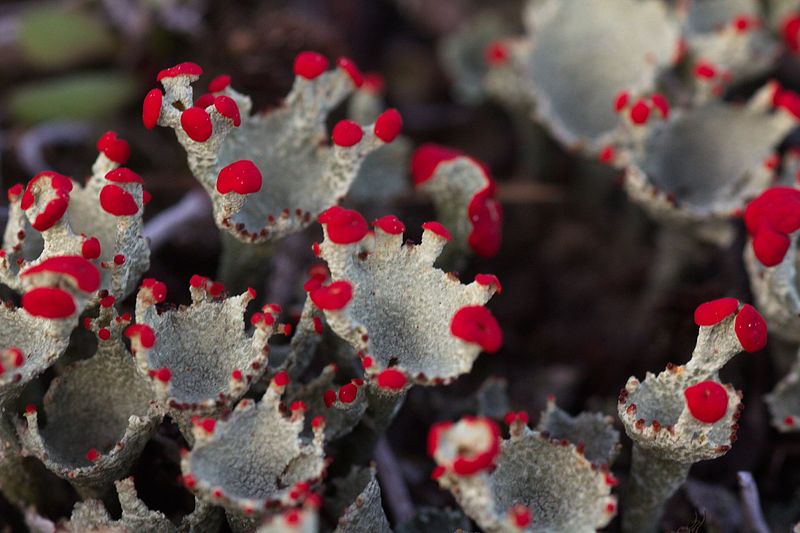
(302, 173)
(203, 345)
(699, 167)
(99, 413)
(255, 457)
(402, 307)
(573, 80)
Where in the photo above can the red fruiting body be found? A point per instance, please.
(743, 23)
(476, 324)
(660, 103)
(18, 358)
(117, 201)
(220, 83)
(90, 249)
(281, 379)
(52, 213)
(104, 334)
(790, 29)
(292, 517)
(392, 379)
(241, 177)
(204, 101)
(146, 197)
(237, 374)
(349, 66)
(107, 301)
(787, 100)
(486, 216)
(190, 481)
(329, 397)
(426, 158)
(309, 65)
(770, 219)
(373, 82)
(707, 401)
(30, 408)
(511, 417)
(640, 112)
(114, 148)
(437, 229)
(435, 434)
(621, 101)
(751, 329)
(82, 272)
(227, 107)
(163, 375)
(715, 311)
(181, 69)
(347, 133)
(146, 336)
(151, 108)
(216, 289)
(705, 70)
(333, 296)
(298, 405)
(348, 393)
(343, 226)
(496, 53)
(319, 272)
(197, 124)
(197, 281)
(318, 421)
(489, 280)
(312, 284)
(466, 464)
(119, 259)
(318, 327)
(92, 455)
(388, 125)
(607, 154)
(48, 302)
(123, 175)
(157, 288)
(390, 224)
(208, 425)
(521, 516)
(15, 191)
(438, 472)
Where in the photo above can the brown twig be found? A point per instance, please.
(751, 505)
(398, 498)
